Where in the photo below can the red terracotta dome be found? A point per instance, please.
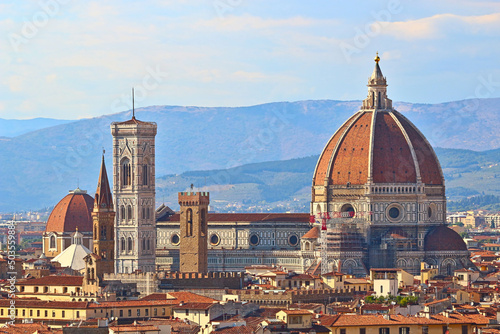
(378, 144)
(443, 238)
(72, 212)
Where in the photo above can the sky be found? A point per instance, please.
(71, 59)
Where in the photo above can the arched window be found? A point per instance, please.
(129, 213)
(143, 213)
(103, 232)
(143, 244)
(203, 222)
(130, 245)
(147, 213)
(147, 242)
(189, 227)
(122, 241)
(126, 173)
(145, 175)
(52, 241)
(122, 213)
(379, 104)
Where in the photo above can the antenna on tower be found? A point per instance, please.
(133, 104)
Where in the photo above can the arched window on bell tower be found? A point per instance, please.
(126, 173)
(145, 175)
(203, 222)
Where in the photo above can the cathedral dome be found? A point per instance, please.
(443, 238)
(377, 145)
(71, 213)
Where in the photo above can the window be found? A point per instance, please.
(24, 312)
(138, 312)
(187, 312)
(342, 331)
(78, 314)
(464, 329)
(46, 313)
(130, 244)
(53, 314)
(129, 313)
(52, 241)
(163, 311)
(206, 313)
(122, 213)
(189, 227)
(121, 313)
(129, 213)
(425, 329)
(146, 312)
(383, 330)
(126, 173)
(145, 175)
(404, 330)
(63, 313)
(143, 244)
(362, 331)
(38, 313)
(148, 244)
(155, 312)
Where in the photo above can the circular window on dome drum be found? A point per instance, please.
(254, 239)
(214, 239)
(347, 211)
(395, 213)
(431, 212)
(293, 240)
(174, 239)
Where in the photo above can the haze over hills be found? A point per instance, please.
(17, 127)
(39, 167)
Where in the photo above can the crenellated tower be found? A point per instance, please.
(193, 232)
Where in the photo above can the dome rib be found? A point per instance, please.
(410, 145)
(72, 212)
(322, 166)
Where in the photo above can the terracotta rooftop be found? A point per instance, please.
(443, 238)
(313, 233)
(72, 212)
(393, 158)
(53, 281)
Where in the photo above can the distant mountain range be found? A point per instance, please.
(286, 185)
(17, 127)
(39, 167)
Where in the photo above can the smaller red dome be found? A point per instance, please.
(443, 238)
(72, 212)
(312, 233)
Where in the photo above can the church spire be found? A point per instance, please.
(103, 197)
(377, 90)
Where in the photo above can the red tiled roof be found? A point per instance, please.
(133, 329)
(443, 238)
(252, 217)
(312, 233)
(54, 281)
(346, 157)
(297, 312)
(72, 212)
(35, 303)
(194, 306)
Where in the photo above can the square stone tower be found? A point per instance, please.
(193, 232)
(134, 193)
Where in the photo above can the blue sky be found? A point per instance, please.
(71, 59)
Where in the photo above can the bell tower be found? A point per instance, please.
(134, 193)
(103, 219)
(193, 231)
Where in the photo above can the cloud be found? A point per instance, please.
(249, 22)
(441, 26)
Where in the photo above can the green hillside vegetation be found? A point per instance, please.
(471, 179)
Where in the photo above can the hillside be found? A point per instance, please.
(285, 185)
(39, 167)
